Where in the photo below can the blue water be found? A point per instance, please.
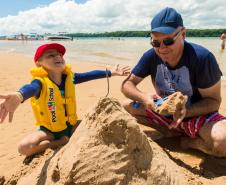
(109, 50)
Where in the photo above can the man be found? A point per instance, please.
(176, 65)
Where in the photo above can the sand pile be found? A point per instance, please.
(173, 103)
(108, 147)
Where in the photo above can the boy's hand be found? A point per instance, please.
(118, 71)
(8, 105)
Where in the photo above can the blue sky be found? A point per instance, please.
(48, 16)
(12, 7)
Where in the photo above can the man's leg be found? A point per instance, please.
(139, 111)
(212, 139)
(140, 114)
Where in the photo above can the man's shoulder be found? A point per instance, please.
(149, 55)
(196, 49)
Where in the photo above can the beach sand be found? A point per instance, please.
(15, 72)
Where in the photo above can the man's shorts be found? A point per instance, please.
(189, 126)
(57, 135)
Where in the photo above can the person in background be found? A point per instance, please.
(223, 40)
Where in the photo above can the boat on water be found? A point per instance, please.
(58, 37)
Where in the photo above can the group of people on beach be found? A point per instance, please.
(173, 65)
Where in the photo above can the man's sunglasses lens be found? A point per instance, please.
(155, 43)
(166, 42)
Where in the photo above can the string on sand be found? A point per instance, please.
(108, 89)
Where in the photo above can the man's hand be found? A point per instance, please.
(149, 101)
(8, 105)
(179, 115)
(120, 71)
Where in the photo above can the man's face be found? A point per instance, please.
(169, 53)
(52, 60)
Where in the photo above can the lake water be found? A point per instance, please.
(125, 51)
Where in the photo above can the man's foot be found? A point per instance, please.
(198, 144)
(184, 142)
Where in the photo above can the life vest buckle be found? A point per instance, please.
(68, 100)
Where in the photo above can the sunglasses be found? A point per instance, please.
(167, 41)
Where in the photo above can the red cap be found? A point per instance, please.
(41, 49)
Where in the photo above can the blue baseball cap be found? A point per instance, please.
(166, 21)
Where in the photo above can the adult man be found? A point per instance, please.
(176, 65)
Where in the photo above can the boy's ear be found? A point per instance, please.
(37, 63)
(183, 34)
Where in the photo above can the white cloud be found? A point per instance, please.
(108, 15)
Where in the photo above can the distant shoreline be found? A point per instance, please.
(190, 33)
(117, 34)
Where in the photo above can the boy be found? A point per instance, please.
(52, 93)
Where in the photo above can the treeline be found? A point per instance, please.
(205, 33)
(190, 33)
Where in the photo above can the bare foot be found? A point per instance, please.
(59, 142)
(63, 140)
(184, 142)
(199, 144)
(2, 179)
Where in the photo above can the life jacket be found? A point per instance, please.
(51, 110)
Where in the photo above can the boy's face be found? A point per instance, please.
(52, 61)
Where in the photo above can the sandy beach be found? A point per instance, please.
(15, 72)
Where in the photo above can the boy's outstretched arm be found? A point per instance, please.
(120, 71)
(8, 105)
(97, 74)
(10, 102)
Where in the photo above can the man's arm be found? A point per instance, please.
(130, 90)
(210, 103)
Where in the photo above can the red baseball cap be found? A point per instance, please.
(41, 49)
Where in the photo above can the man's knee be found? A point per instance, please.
(126, 104)
(219, 137)
(135, 110)
(219, 147)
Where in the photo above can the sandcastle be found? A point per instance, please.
(107, 148)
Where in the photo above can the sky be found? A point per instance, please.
(89, 16)
(12, 7)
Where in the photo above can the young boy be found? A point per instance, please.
(52, 93)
